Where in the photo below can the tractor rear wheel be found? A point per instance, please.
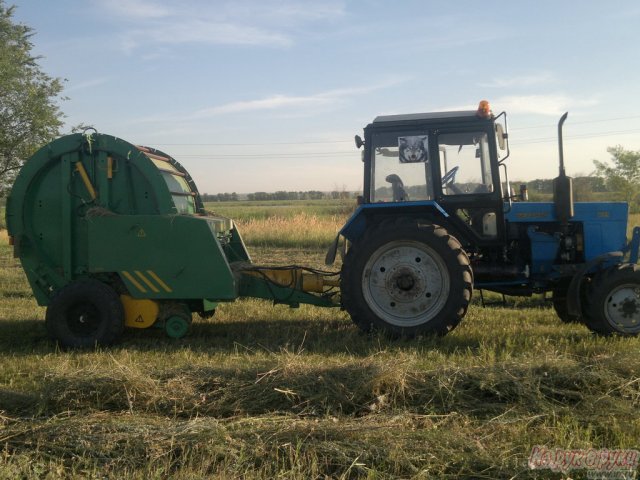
(406, 278)
(613, 303)
(85, 313)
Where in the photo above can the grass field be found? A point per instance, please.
(262, 391)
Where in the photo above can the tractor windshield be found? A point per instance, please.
(465, 163)
(400, 170)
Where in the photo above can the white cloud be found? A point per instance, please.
(201, 31)
(624, 13)
(136, 9)
(280, 102)
(552, 104)
(533, 79)
(249, 22)
(269, 103)
(94, 82)
(296, 105)
(282, 12)
(541, 104)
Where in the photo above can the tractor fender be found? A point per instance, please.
(367, 213)
(331, 253)
(574, 306)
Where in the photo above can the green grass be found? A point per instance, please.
(263, 391)
(247, 211)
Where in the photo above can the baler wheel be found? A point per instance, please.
(406, 278)
(613, 303)
(85, 313)
(177, 320)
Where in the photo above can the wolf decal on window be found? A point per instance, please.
(413, 149)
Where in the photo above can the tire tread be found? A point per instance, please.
(359, 311)
(603, 281)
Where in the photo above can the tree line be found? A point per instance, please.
(279, 195)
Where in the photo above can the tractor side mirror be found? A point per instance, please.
(501, 136)
(359, 141)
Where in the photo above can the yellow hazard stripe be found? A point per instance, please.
(85, 179)
(146, 280)
(159, 281)
(134, 281)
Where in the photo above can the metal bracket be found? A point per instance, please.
(485, 304)
(634, 246)
(331, 253)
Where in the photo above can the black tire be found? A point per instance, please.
(559, 300)
(406, 278)
(206, 315)
(613, 303)
(85, 313)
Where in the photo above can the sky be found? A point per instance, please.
(260, 95)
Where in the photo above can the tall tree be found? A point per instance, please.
(29, 113)
(623, 175)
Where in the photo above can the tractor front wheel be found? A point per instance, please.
(406, 278)
(85, 313)
(560, 302)
(613, 303)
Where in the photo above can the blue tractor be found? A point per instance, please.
(437, 220)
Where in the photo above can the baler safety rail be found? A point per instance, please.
(290, 284)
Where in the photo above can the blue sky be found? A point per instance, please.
(267, 95)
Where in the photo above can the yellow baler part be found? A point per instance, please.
(85, 179)
(139, 313)
(284, 278)
(312, 282)
(296, 278)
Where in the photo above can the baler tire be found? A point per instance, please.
(560, 306)
(177, 319)
(444, 277)
(613, 303)
(84, 314)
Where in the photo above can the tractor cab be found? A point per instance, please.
(445, 160)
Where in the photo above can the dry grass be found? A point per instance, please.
(302, 230)
(263, 391)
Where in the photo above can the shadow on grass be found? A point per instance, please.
(24, 337)
(17, 294)
(496, 300)
(277, 336)
(325, 337)
(191, 391)
(296, 385)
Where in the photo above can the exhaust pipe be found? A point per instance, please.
(563, 185)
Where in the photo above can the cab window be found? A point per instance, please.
(465, 163)
(400, 170)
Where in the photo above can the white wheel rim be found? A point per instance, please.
(405, 283)
(622, 308)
